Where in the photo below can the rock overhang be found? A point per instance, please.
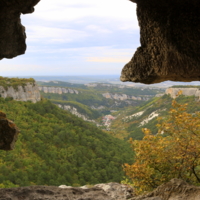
(12, 32)
(170, 42)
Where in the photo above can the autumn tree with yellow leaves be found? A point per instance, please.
(172, 153)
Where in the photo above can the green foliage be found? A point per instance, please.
(84, 97)
(81, 108)
(61, 84)
(15, 82)
(185, 86)
(55, 148)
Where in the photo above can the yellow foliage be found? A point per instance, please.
(173, 153)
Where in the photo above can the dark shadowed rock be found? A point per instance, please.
(52, 193)
(175, 189)
(170, 42)
(12, 33)
(8, 133)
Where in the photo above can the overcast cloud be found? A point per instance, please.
(68, 38)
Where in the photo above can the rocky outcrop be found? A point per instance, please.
(123, 97)
(8, 133)
(53, 193)
(28, 92)
(170, 38)
(74, 111)
(117, 191)
(173, 190)
(12, 33)
(185, 91)
(58, 90)
(110, 191)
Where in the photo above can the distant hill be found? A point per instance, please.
(130, 121)
(90, 101)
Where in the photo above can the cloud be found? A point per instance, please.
(69, 37)
(54, 35)
(72, 10)
(107, 59)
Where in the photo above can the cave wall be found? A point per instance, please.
(12, 44)
(170, 42)
(12, 32)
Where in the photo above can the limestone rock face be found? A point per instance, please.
(8, 133)
(58, 90)
(170, 42)
(123, 97)
(185, 91)
(29, 92)
(173, 190)
(12, 33)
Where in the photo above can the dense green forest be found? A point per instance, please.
(54, 147)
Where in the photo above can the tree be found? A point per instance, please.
(174, 152)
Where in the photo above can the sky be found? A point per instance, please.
(76, 38)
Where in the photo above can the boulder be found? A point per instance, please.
(8, 133)
(117, 191)
(170, 42)
(173, 190)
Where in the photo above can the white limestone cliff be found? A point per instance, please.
(28, 92)
(185, 91)
(123, 97)
(57, 90)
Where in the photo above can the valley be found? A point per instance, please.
(120, 110)
(78, 135)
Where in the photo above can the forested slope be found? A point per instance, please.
(129, 123)
(55, 147)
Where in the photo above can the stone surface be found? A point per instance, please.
(12, 33)
(170, 42)
(29, 92)
(117, 191)
(185, 91)
(175, 189)
(52, 193)
(123, 97)
(8, 133)
(57, 90)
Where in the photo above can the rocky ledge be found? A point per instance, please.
(175, 189)
(170, 37)
(110, 191)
